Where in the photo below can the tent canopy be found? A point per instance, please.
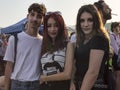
(18, 27)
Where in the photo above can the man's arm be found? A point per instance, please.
(8, 71)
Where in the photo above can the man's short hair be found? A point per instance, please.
(114, 25)
(39, 8)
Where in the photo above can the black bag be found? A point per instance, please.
(109, 77)
(116, 61)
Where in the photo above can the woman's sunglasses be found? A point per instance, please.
(56, 12)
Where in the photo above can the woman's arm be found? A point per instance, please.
(96, 57)
(66, 74)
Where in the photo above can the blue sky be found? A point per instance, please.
(12, 11)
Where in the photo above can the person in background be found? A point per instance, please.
(105, 12)
(91, 50)
(24, 73)
(55, 61)
(104, 9)
(115, 43)
(3, 46)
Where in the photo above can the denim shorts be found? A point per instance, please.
(24, 85)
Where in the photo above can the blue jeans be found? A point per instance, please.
(27, 85)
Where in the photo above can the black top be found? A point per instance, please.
(82, 53)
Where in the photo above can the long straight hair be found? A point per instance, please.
(61, 37)
(98, 27)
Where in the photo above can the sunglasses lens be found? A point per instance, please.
(56, 12)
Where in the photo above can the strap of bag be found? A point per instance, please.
(113, 36)
(118, 60)
(15, 49)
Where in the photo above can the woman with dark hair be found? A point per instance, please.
(91, 50)
(56, 72)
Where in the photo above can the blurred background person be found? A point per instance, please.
(115, 43)
(3, 46)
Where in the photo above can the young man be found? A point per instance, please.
(25, 72)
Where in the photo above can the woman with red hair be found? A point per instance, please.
(56, 69)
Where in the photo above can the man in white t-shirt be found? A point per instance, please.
(24, 72)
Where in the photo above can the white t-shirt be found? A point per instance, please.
(73, 38)
(27, 66)
(53, 63)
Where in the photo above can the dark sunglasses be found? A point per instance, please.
(56, 12)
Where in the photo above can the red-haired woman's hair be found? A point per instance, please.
(61, 37)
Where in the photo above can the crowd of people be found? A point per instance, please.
(3, 46)
(54, 60)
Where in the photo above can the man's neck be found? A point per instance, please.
(32, 32)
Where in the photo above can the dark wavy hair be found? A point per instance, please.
(61, 37)
(98, 27)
